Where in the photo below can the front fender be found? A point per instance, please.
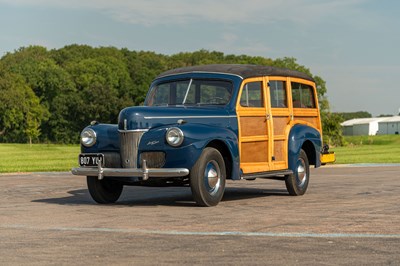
(197, 137)
(107, 139)
(308, 138)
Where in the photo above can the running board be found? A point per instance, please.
(279, 175)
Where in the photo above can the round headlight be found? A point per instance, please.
(88, 137)
(174, 136)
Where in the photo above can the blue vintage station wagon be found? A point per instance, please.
(201, 125)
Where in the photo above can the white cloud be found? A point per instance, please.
(156, 12)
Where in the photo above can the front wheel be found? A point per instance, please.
(297, 182)
(104, 191)
(207, 178)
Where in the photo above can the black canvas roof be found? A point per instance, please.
(244, 71)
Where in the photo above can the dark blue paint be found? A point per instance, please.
(199, 132)
(298, 136)
(107, 139)
(145, 117)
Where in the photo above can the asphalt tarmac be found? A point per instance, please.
(349, 215)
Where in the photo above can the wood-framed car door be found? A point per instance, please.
(254, 126)
(279, 99)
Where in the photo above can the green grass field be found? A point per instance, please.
(49, 157)
(369, 149)
(37, 158)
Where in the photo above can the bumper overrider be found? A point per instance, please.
(144, 172)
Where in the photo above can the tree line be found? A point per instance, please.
(51, 95)
(352, 115)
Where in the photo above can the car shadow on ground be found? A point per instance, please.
(165, 196)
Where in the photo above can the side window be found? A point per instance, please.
(277, 91)
(252, 95)
(303, 96)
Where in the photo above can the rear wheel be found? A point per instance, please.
(104, 191)
(297, 182)
(207, 178)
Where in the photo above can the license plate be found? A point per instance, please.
(91, 160)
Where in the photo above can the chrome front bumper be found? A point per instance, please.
(143, 172)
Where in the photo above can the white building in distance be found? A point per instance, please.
(371, 126)
(390, 125)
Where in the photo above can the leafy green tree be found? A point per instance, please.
(34, 115)
(20, 111)
(352, 115)
(28, 62)
(72, 53)
(385, 115)
(49, 82)
(332, 129)
(11, 115)
(102, 87)
(143, 67)
(61, 95)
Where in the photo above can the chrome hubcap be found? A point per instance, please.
(212, 177)
(301, 172)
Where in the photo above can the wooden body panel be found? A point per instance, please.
(264, 131)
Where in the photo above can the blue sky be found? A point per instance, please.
(351, 44)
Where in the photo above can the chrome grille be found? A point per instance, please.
(129, 143)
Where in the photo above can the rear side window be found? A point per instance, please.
(252, 95)
(302, 95)
(277, 91)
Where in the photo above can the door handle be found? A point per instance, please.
(267, 117)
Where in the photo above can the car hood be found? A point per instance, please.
(146, 117)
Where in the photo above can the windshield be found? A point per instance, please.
(190, 92)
